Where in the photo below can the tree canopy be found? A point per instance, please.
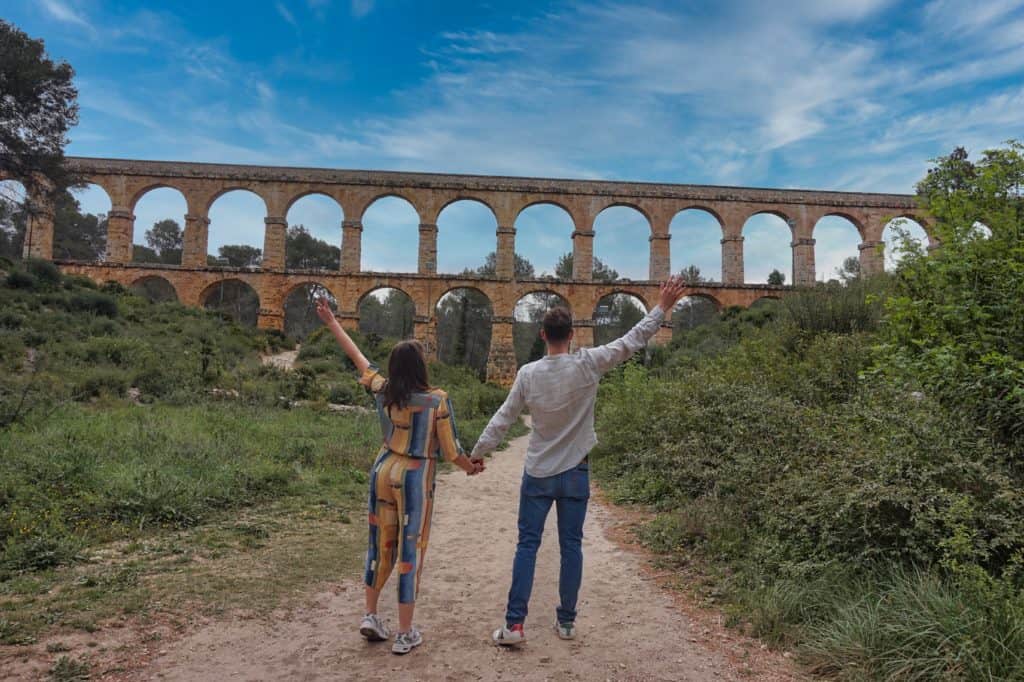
(38, 105)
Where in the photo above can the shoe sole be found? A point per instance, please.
(371, 635)
(507, 642)
(399, 652)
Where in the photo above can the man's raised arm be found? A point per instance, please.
(501, 421)
(621, 349)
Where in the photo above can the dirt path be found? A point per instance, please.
(629, 628)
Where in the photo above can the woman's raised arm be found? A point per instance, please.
(324, 312)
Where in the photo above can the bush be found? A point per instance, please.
(94, 302)
(101, 381)
(44, 271)
(19, 279)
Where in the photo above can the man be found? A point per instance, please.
(560, 390)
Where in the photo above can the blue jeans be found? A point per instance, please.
(569, 491)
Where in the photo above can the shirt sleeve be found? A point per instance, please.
(372, 379)
(604, 358)
(499, 424)
(447, 432)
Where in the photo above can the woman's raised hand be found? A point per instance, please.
(323, 310)
(671, 291)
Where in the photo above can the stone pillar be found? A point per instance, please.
(348, 321)
(428, 249)
(803, 261)
(732, 260)
(501, 360)
(424, 330)
(661, 258)
(195, 241)
(872, 257)
(505, 256)
(120, 225)
(274, 239)
(351, 245)
(583, 255)
(582, 334)
(270, 319)
(663, 335)
(38, 242)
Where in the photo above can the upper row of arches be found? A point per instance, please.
(466, 230)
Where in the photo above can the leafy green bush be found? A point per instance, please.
(101, 381)
(45, 272)
(95, 302)
(19, 279)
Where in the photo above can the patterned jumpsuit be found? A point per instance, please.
(402, 483)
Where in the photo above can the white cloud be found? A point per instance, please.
(61, 11)
(360, 8)
(286, 14)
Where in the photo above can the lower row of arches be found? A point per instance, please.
(463, 315)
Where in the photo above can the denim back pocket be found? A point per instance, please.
(540, 487)
(576, 483)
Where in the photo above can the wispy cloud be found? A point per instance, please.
(286, 14)
(360, 8)
(61, 11)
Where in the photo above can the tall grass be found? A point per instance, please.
(92, 474)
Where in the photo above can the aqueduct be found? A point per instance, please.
(125, 181)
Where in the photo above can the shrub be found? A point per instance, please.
(95, 302)
(44, 271)
(19, 279)
(101, 382)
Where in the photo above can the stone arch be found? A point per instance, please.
(390, 237)
(893, 250)
(145, 217)
(232, 297)
(390, 315)
(155, 288)
(762, 301)
(92, 239)
(625, 228)
(837, 237)
(464, 321)
(476, 223)
(616, 313)
(707, 256)
(311, 192)
(767, 238)
(314, 219)
(694, 310)
(148, 187)
(298, 304)
(215, 196)
(247, 228)
(626, 203)
(527, 314)
(538, 238)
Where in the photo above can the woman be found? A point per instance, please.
(418, 426)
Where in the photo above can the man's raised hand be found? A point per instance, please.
(671, 291)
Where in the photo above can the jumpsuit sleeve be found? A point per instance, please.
(447, 432)
(372, 379)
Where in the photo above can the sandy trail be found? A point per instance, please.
(629, 628)
(284, 360)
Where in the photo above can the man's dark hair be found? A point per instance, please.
(557, 324)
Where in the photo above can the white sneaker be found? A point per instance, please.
(373, 628)
(566, 630)
(406, 641)
(506, 636)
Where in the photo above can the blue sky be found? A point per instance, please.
(847, 94)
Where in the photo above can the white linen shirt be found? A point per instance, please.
(560, 392)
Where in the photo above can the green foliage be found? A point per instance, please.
(91, 475)
(955, 326)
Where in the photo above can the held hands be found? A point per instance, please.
(671, 291)
(323, 310)
(474, 466)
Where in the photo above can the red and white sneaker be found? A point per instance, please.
(509, 635)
